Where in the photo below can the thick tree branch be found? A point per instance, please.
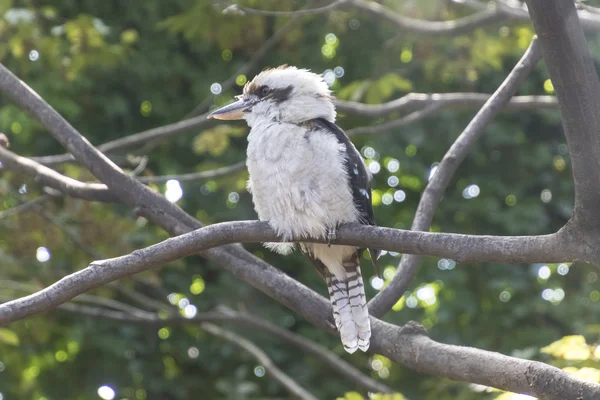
(55, 180)
(463, 248)
(479, 366)
(413, 348)
(434, 191)
(408, 345)
(577, 88)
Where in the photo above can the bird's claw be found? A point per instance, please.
(331, 236)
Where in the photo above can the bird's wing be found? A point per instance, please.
(359, 177)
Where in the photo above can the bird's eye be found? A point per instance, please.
(264, 91)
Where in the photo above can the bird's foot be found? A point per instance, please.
(331, 236)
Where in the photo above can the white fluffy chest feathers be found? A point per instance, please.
(298, 178)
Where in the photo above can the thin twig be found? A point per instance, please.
(454, 100)
(292, 386)
(136, 139)
(196, 176)
(227, 315)
(310, 11)
(434, 191)
(53, 179)
(31, 204)
(397, 123)
(456, 27)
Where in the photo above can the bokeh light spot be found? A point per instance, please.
(387, 199)
(377, 283)
(174, 191)
(164, 333)
(106, 392)
(226, 55)
(399, 196)
(193, 352)
(411, 150)
(548, 86)
(34, 55)
(241, 80)
(42, 254)
(544, 272)
(190, 311)
(197, 286)
(546, 195)
(216, 88)
(61, 356)
(146, 108)
(471, 192)
(393, 165)
(511, 200)
(562, 269)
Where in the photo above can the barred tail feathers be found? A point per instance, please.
(350, 310)
(358, 304)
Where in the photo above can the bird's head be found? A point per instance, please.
(284, 94)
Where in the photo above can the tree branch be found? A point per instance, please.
(463, 248)
(292, 386)
(407, 102)
(577, 88)
(454, 100)
(397, 123)
(236, 8)
(408, 344)
(144, 317)
(457, 27)
(247, 320)
(413, 348)
(134, 139)
(196, 176)
(24, 207)
(55, 180)
(434, 191)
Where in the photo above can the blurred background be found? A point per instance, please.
(114, 68)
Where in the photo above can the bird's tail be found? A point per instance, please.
(350, 310)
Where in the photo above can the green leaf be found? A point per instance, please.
(9, 337)
(569, 348)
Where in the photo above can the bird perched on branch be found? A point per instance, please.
(306, 178)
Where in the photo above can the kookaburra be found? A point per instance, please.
(306, 178)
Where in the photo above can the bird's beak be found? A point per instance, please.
(231, 111)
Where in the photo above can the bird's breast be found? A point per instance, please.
(298, 180)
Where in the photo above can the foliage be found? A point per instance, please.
(114, 70)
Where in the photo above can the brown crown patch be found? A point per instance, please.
(253, 87)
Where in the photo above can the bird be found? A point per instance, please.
(306, 178)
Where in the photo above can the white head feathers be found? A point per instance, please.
(289, 94)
